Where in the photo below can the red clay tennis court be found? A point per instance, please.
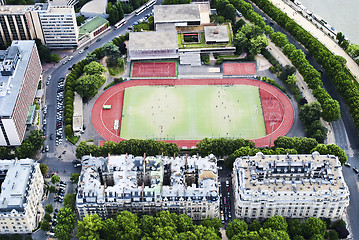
(154, 69)
(277, 109)
(239, 69)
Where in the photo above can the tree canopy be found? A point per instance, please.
(164, 225)
(88, 85)
(94, 68)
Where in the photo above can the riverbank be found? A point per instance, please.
(317, 33)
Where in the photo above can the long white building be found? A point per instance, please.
(187, 185)
(293, 186)
(20, 197)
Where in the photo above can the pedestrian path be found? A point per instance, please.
(317, 33)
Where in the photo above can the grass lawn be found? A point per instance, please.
(117, 69)
(192, 112)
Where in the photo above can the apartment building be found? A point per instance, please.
(58, 24)
(292, 186)
(20, 73)
(20, 197)
(147, 185)
(54, 25)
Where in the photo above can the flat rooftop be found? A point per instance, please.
(91, 25)
(13, 188)
(61, 9)
(95, 7)
(290, 173)
(216, 34)
(153, 40)
(15, 9)
(176, 13)
(10, 85)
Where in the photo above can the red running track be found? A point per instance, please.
(154, 69)
(238, 69)
(103, 120)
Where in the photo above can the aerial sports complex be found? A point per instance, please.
(184, 111)
(172, 97)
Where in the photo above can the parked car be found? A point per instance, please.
(76, 161)
(81, 51)
(77, 165)
(347, 164)
(99, 39)
(355, 170)
(87, 47)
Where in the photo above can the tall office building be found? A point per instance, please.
(58, 24)
(184, 185)
(292, 186)
(20, 197)
(54, 25)
(20, 72)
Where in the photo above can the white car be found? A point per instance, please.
(81, 51)
(49, 77)
(70, 58)
(48, 82)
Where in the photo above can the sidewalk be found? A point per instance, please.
(317, 33)
(306, 92)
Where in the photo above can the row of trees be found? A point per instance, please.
(224, 9)
(331, 108)
(77, 71)
(310, 115)
(136, 147)
(332, 65)
(233, 149)
(28, 147)
(45, 53)
(277, 227)
(164, 225)
(115, 12)
(251, 39)
(87, 86)
(220, 147)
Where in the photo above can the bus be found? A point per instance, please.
(150, 3)
(141, 10)
(120, 24)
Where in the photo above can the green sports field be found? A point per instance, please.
(192, 112)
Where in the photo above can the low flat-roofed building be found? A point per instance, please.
(216, 34)
(77, 119)
(292, 186)
(153, 45)
(147, 185)
(92, 28)
(180, 14)
(94, 8)
(20, 197)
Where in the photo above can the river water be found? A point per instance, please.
(343, 15)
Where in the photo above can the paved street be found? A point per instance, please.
(58, 160)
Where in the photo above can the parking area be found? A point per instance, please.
(59, 111)
(225, 193)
